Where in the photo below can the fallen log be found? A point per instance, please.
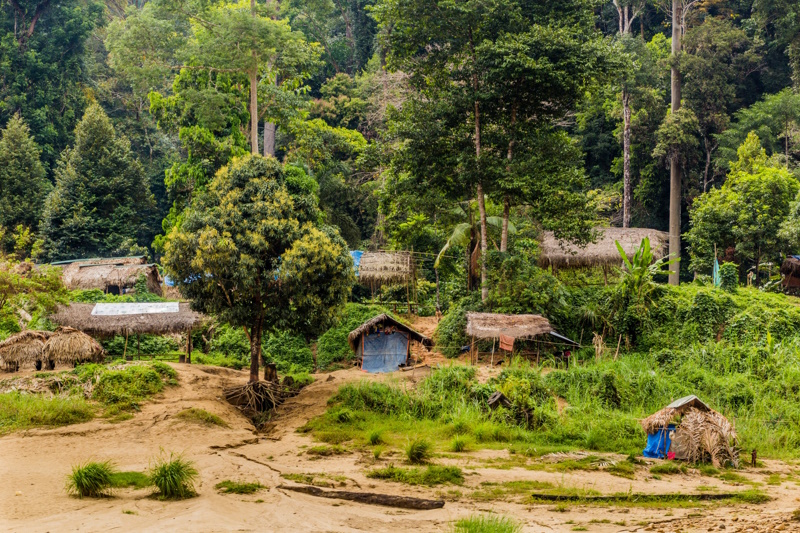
(635, 497)
(372, 498)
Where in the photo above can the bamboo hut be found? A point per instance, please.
(382, 344)
(112, 275)
(70, 346)
(23, 348)
(126, 319)
(603, 252)
(790, 270)
(509, 329)
(693, 432)
(376, 269)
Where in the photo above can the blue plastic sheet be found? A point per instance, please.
(356, 255)
(384, 353)
(658, 443)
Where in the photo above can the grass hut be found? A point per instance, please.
(510, 328)
(383, 344)
(112, 275)
(23, 348)
(693, 432)
(70, 346)
(125, 319)
(790, 270)
(376, 269)
(602, 253)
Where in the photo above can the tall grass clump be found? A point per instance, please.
(91, 480)
(174, 477)
(418, 451)
(486, 524)
(127, 388)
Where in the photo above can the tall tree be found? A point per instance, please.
(101, 200)
(23, 183)
(674, 166)
(253, 252)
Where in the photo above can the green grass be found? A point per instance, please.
(460, 444)
(622, 469)
(136, 480)
(23, 411)
(708, 470)
(174, 477)
(316, 479)
(127, 388)
(201, 416)
(504, 490)
(429, 476)
(668, 469)
(486, 524)
(92, 480)
(326, 451)
(375, 437)
(238, 487)
(418, 451)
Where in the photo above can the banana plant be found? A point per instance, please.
(462, 235)
(639, 271)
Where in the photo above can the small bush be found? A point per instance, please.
(666, 469)
(174, 477)
(201, 416)
(238, 487)
(459, 444)
(729, 277)
(486, 524)
(375, 437)
(92, 480)
(418, 451)
(432, 475)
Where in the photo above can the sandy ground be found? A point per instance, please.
(35, 463)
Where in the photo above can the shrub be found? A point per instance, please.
(451, 332)
(218, 359)
(147, 344)
(93, 480)
(729, 277)
(125, 389)
(486, 524)
(418, 451)
(174, 477)
(375, 437)
(289, 352)
(238, 487)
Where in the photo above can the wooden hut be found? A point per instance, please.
(693, 432)
(388, 267)
(603, 252)
(382, 344)
(126, 319)
(508, 329)
(790, 270)
(23, 348)
(111, 275)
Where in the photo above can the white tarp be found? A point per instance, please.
(135, 309)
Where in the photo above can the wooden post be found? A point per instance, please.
(189, 347)
(271, 372)
(125, 349)
(491, 364)
(618, 343)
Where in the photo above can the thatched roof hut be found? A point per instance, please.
(68, 345)
(668, 414)
(382, 321)
(492, 325)
(128, 318)
(113, 275)
(23, 348)
(790, 270)
(603, 252)
(377, 268)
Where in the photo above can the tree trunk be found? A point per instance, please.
(627, 194)
(255, 349)
(707, 170)
(506, 214)
(484, 243)
(269, 139)
(254, 112)
(675, 169)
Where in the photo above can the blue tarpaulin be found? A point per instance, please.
(384, 353)
(658, 443)
(356, 255)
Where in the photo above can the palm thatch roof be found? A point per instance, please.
(23, 347)
(384, 320)
(79, 316)
(703, 434)
(604, 251)
(492, 325)
(110, 275)
(68, 345)
(377, 268)
(791, 267)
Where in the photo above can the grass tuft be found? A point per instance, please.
(665, 469)
(92, 480)
(135, 480)
(238, 487)
(193, 414)
(174, 477)
(432, 475)
(487, 524)
(375, 437)
(418, 451)
(459, 444)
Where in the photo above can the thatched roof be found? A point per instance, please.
(492, 325)
(127, 260)
(385, 320)
(106, 273)
(602, 252)
(661, 419)
(79, 316)
(68, 345)
(791, 267)
(386, 267)
(23, 347)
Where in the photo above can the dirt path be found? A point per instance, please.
(34, 464)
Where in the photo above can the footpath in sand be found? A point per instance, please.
(34, 465)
